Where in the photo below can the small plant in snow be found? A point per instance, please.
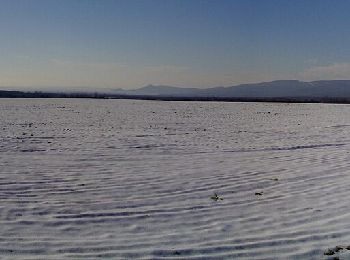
(216, 197)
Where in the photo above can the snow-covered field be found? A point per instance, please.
(126, 179)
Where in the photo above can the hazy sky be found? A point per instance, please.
(190, 43)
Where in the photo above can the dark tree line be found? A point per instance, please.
(39, 94)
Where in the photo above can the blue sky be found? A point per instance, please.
(189, 43)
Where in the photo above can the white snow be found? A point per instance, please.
(126, 179)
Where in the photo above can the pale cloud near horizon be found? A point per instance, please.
(57, 72)
(334, 71)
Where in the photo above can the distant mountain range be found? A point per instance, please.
(279, 90)
(273, 89)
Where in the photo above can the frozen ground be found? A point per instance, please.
(125, 179)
